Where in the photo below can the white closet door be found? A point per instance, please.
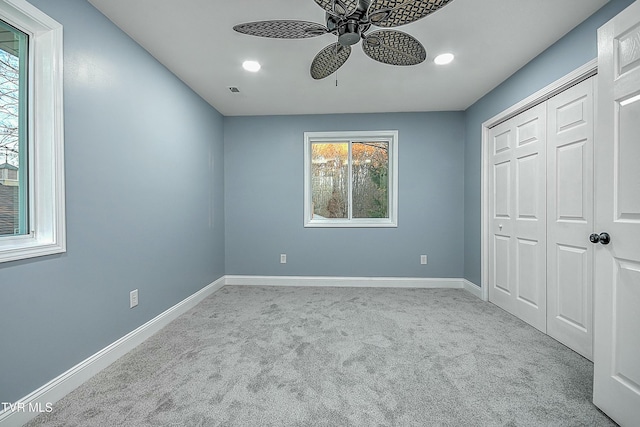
(570, 217)
(616, 355)
(517, 246)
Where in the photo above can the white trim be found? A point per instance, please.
(47, 234)
(563, 83)
(391, 136)
(346, 282)
(65, 383)
(472, 288)
(580, 74)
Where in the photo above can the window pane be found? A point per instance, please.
(330, 180)
(13, 137)
(370, 179)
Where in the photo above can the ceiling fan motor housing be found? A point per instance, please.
(349, 32)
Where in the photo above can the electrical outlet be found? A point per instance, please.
(283, 258)
(133, 298)
(423, 259)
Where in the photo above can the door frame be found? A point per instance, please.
(580, 74)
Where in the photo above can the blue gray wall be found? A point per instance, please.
(144, 207)
(572, 51)
(264, 200)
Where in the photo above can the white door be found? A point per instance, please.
(517, 243)
(617, 179)
(570, 217)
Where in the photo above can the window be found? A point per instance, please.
(13, 131)
(31, 133)
(351, 179)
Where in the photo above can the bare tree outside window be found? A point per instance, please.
(9, 98)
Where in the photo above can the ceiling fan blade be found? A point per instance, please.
(394, 48)
(282, 29)
(329, 59)
(393, 13)
(340, 8)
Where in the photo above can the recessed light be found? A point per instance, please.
(443, 59)
(252, 66)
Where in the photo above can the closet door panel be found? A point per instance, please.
(500, 271)
(570, 217)
(518, 220)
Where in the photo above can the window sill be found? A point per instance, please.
(22, 247)
(385, 223)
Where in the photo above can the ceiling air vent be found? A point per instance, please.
(234, 89)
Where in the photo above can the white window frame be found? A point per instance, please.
(390, 136)
(47, 228)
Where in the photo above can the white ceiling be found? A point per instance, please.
(194, 39)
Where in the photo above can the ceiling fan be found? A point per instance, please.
(351, 20)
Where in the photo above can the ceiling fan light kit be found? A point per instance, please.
(350, 21)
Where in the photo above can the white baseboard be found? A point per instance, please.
(472, 288)
(354, 282)
(31, 405)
